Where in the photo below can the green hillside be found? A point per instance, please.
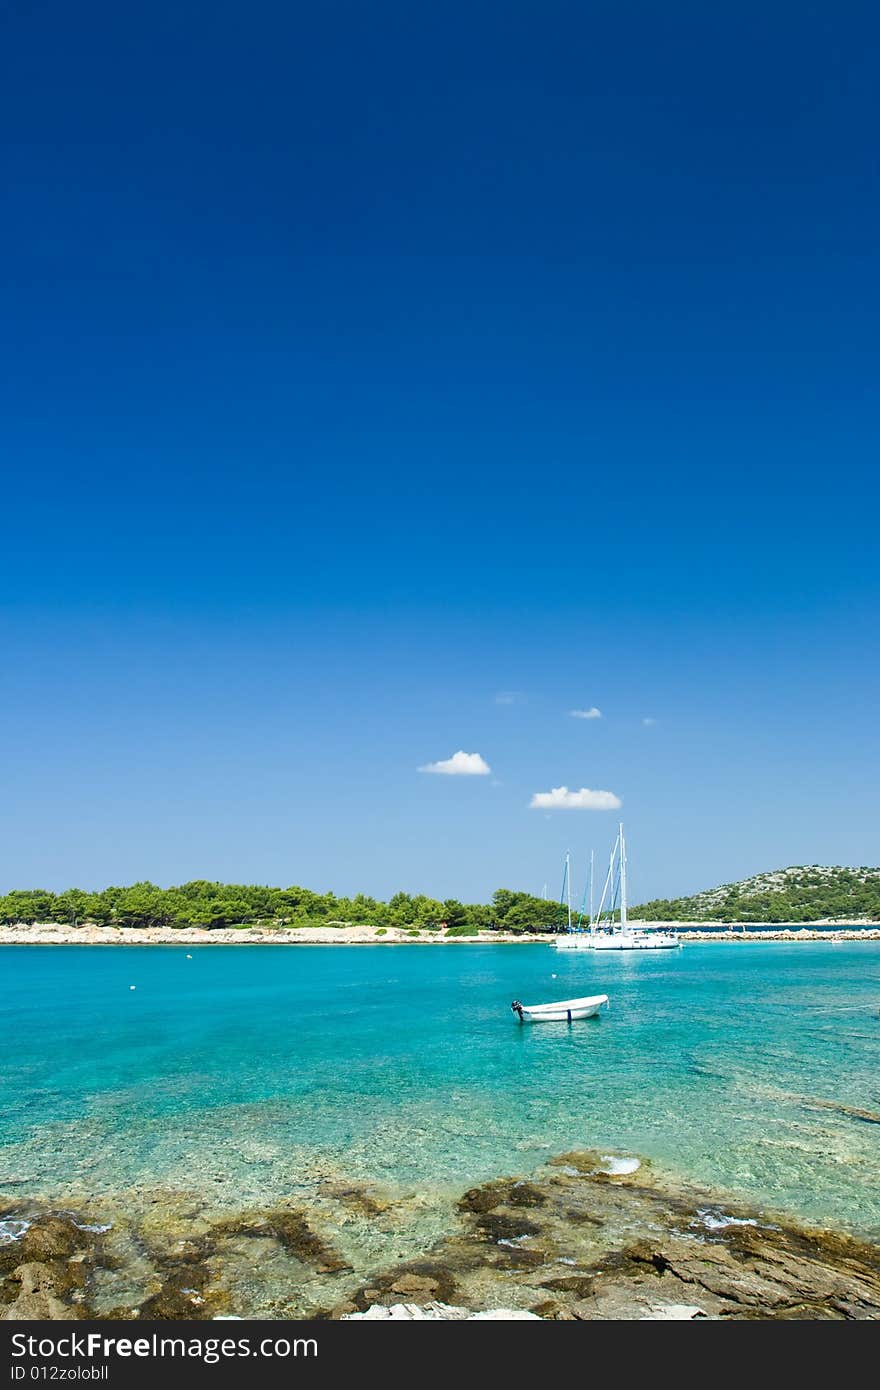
(787, 895)
(805, 894)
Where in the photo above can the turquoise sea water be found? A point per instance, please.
(245, 1073)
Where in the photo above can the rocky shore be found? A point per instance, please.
(812, 931)
(589, 1237)
(56, 934)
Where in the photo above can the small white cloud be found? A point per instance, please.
(561, 799)
(460, 765)
(591, 713)
(509, 697)
(648, 722)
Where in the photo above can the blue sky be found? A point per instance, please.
(361, 364)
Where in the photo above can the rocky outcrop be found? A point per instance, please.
(36, 1295)
(591, 1237)
(591, 1242)
(52, 1238)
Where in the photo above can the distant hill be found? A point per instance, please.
(806, 894)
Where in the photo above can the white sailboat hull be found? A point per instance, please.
(636, 941)
(563, 1011)
(619, 941)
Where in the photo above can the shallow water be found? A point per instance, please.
(250, 1074)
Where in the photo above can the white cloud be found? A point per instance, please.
(509, 697)
(648, 722)
(561, 799)
(460, 765)
(591, 713)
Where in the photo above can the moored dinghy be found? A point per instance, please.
(564, 1011)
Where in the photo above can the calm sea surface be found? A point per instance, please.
(246, 1073)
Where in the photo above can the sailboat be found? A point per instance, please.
(575, 938)
(611, 935)
(562, 1010)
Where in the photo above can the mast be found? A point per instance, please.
(568, 883)
(607, 880)
(622, 880)
(591, 890)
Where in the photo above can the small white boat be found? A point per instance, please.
(564, 1011)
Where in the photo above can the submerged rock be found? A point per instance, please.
(499, 1226)
(295, 1234)
(508, 1192)
(579, 1285)
(172, 1304)
(357, 1197)
(851, 1112)
(292, 1230)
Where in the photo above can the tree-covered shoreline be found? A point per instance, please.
(786, 895)
(215, 905)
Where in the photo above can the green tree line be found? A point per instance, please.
(805, 895)
(212, 905)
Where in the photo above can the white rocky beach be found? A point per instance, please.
(59, 934)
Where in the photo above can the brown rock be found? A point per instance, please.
(579, 1217)
(357, 1198)
(415, 1286)
(550, 1308)
(525, 1194)
(586, 1161)
(292, 1230)
(515, 1257)
(51, 1238)
(171, 1304)
(506, 1192)
(38, 1296)
(426, 1279)
(342, 1310)
(296, 1235)
(580, 1285)
(497, 1226)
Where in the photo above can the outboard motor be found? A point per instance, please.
(517, 1009)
